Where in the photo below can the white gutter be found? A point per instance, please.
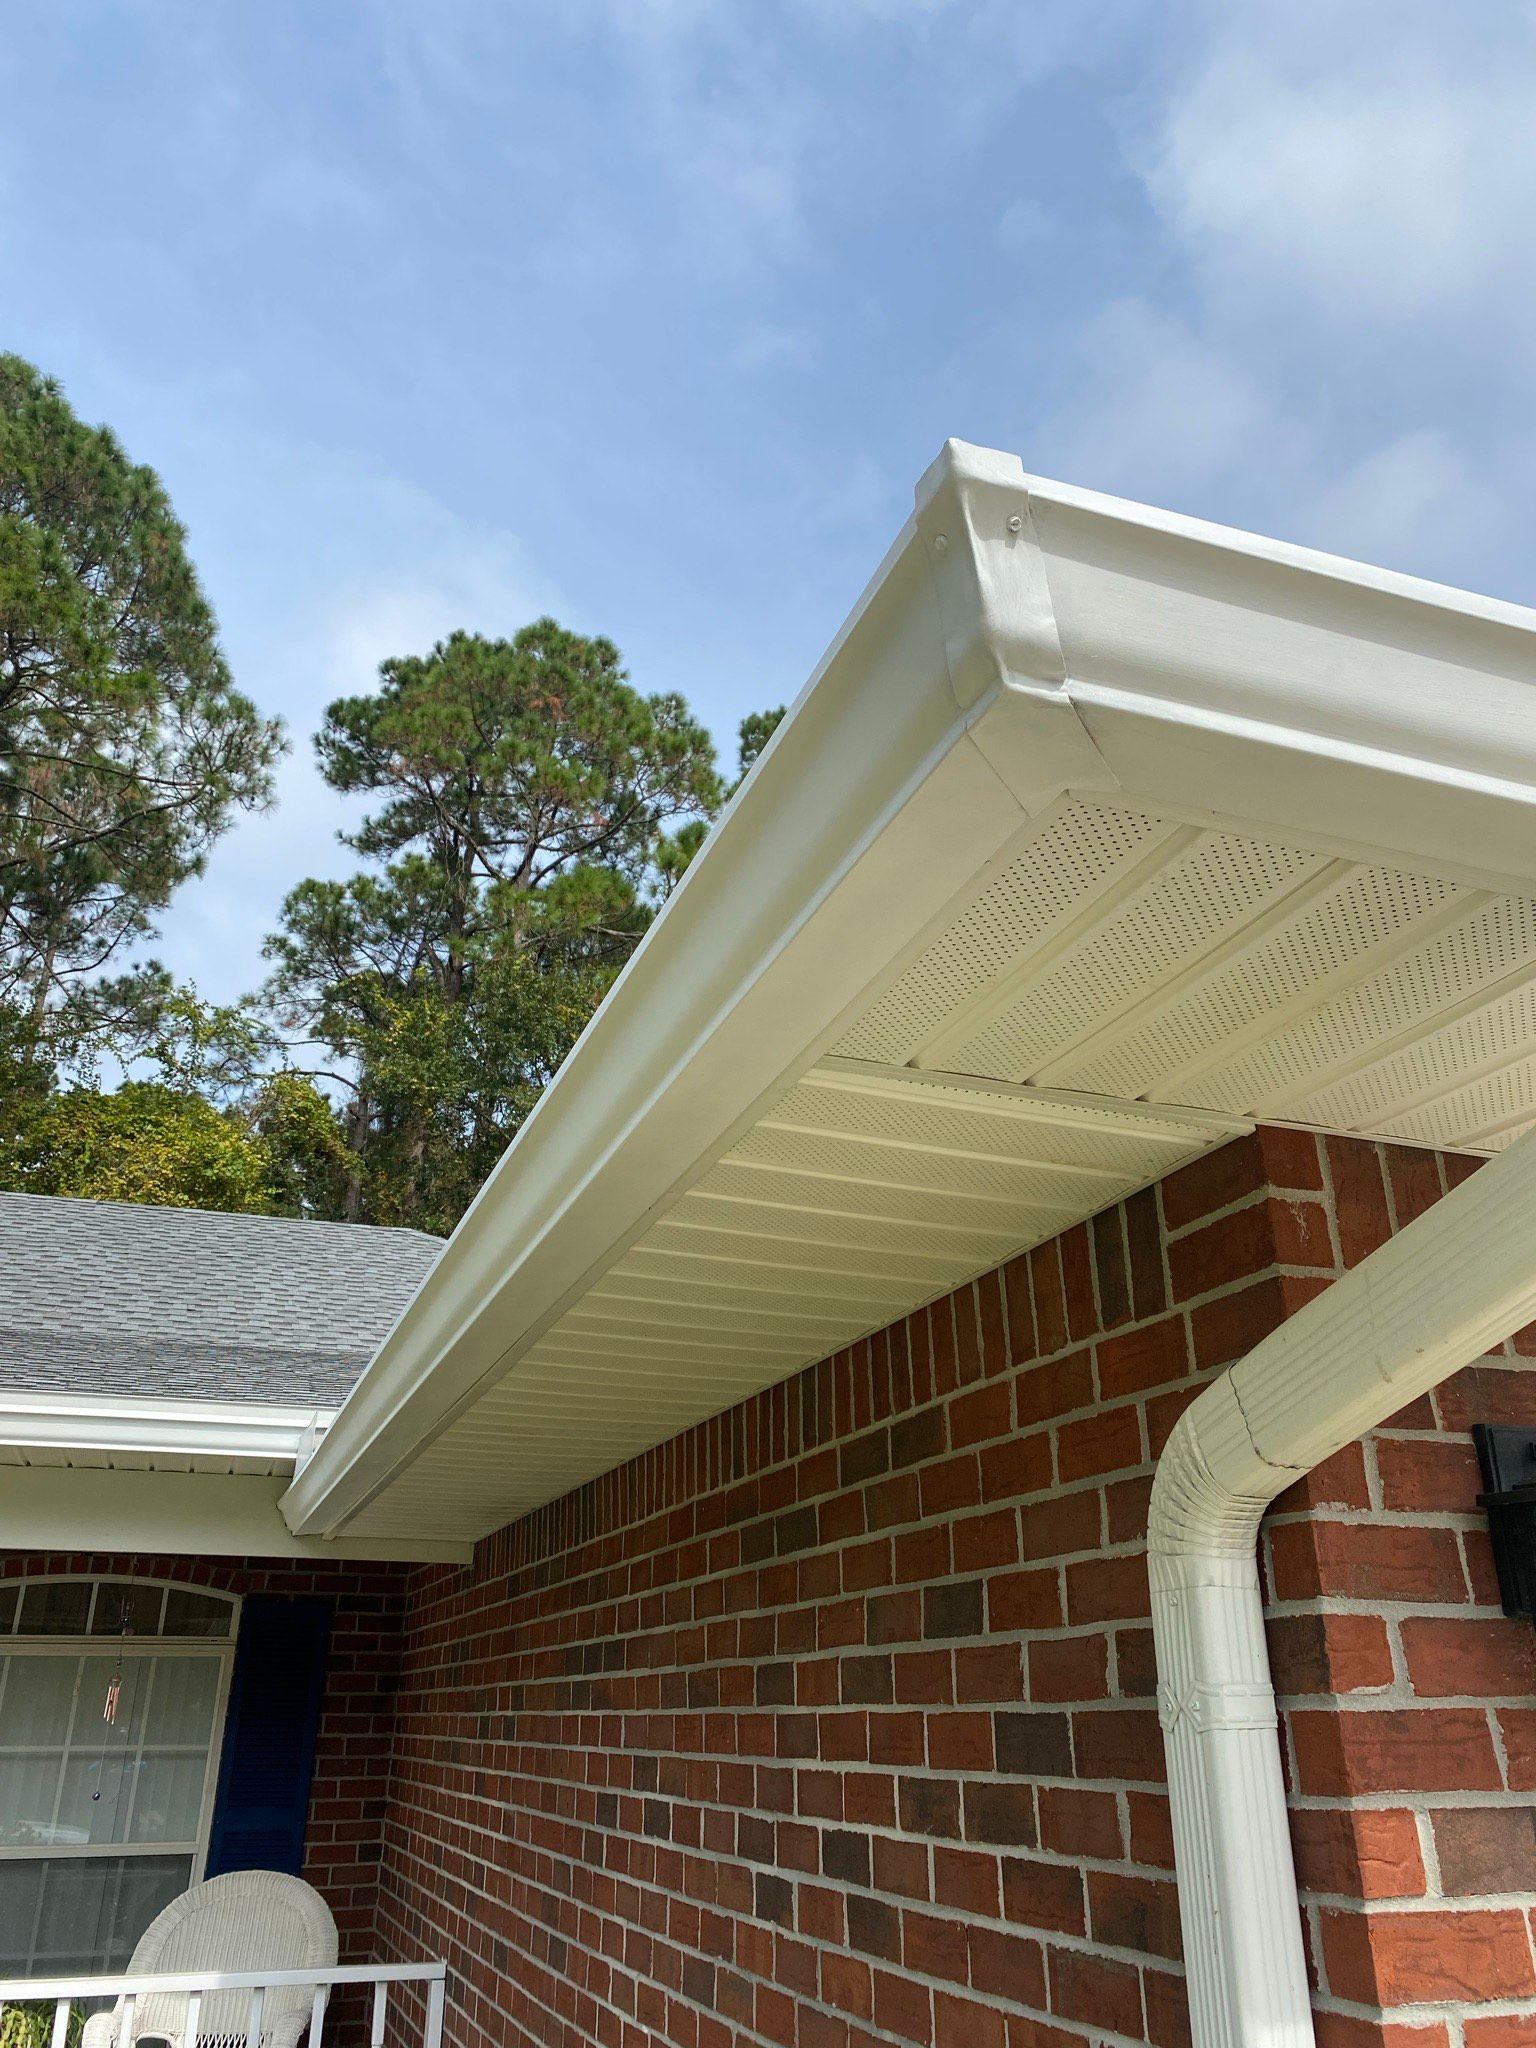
(153, 1425)
(1459, 1279)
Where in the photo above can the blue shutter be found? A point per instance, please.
(269, 1737)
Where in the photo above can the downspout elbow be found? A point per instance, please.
(1245, 1967)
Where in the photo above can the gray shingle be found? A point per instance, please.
(114, 1298)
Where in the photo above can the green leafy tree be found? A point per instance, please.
(752, 735)
(144, 1142)
(534, 808)
(207, 1118)
(124, 745)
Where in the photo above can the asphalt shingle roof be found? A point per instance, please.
(114, 1298)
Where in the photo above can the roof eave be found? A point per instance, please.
(1020, 641)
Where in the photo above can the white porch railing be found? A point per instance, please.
(64, 1993)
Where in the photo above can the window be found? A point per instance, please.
(112, 1696)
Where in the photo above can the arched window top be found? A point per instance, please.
(91, 1606)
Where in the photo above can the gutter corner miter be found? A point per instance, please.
(1458, 1279)
(1002, 645)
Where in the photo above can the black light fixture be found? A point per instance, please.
(1508, 1460)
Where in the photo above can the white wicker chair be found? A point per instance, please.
(246, 1920)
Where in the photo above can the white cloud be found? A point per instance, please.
(1339, 347)
(1382, 175)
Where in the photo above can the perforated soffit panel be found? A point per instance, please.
(1125, 993)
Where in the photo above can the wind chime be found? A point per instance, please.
(114, 1696)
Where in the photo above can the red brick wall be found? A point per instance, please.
(352, 1752)
(832, 1721)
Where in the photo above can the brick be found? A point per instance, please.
(1413, 1180)
(1119, 1743)
(1135, 1664)
(1301, 1235)
(1337, 1653)
(1290, 1158)
(1076, 1822)
(983, 1413)
(1095, 1991)
(1020, 1464)
(929, 1806)
(874, 1927)
(1077, 1283)
(1416, 1749)
(903, 2008)
(960, 1742)
(1427, 1476)
(991, 1318)
(1143, 1237)
(1506, 2030)
(1167, 2009)
(1343, 2030)
(984, 1543)
(1416, 1958)
(917, 1438)
(1021, 1600)
(969, 1880)
(1366, 1561)
(1111, 1273)
(1488, 1392)
(1108, 1589)
(1019, 1309)
(1062, 1526)
(962, 2023)
(1003, 1814)
(864, 1458)
(1069, 1668)
(1050, 1305)
(1234, 1247)
(934, 1946)
(1151, 1356)
(1483, 1849)
(1140, 1913)
(967, 1336)
(1214, 1181)
(1107, 1442)
(954, 1610)
(1489, 1657)
(1007, 1966)
(1057, 1388)
(1227, 1328)
(1151, 1830)
(845, 1983)
(1043, 1895)
(1359, 1197)
(1126, 1502)
(1339, 1481)
(1365, 1853)
(1034, 1745)
(988, 1672)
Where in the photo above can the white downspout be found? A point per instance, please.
(1460, 1278)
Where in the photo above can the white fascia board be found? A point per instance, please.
(153, 1425)
(1229, 676)
(179, 1514)
(1021, 640)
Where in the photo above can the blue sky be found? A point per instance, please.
(440, 313)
